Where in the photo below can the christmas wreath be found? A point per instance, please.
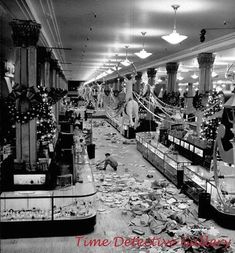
(171, 98)
(25, 103)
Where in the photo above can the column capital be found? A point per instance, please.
(25, 33)
(151, 72)
(138, 76)
(205, 60)
(172, 67)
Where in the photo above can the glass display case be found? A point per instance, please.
(143, 139)
(156, 154)
(195, 179)
(64, 211)
(174, 167)
(222, 205)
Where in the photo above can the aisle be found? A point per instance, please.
(114, 210)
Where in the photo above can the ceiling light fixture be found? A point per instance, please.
(180, 78)
(126, 62)
(142, 53)
(174, 37)
(194, 76)
(109, 71)
(214, 74)
(115, 68)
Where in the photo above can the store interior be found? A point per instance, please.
(117, 126)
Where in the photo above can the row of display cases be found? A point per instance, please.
(201, 156)
(169, 164)
(178, 169)
(194, 180)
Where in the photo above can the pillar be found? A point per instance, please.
(47, 71)
(52, 81)
(205, 61)
(25, 35)
(151, 72)
(57, 86)
(43, 69)
(171, 68)
(137, 87)
(188, 105)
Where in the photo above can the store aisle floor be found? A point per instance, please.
(111, 221)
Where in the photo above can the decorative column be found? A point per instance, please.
(171, 68)
(137, 87)
(43, 66)
(205, 61)
(188, 104)
(57, 85)
(53, 66)
(47, 69)
(151, 72)
(25, 35)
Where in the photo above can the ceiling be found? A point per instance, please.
(97, 30)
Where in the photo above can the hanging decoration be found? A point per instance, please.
(209, 123)
(46, 123)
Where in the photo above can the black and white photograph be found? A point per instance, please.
(117, 126)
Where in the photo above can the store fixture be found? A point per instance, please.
(195, 181)
(222, 189)
(168, 163)
(174, 37)
(69, 209)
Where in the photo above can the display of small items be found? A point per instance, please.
(78, 209)
(25, 214)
